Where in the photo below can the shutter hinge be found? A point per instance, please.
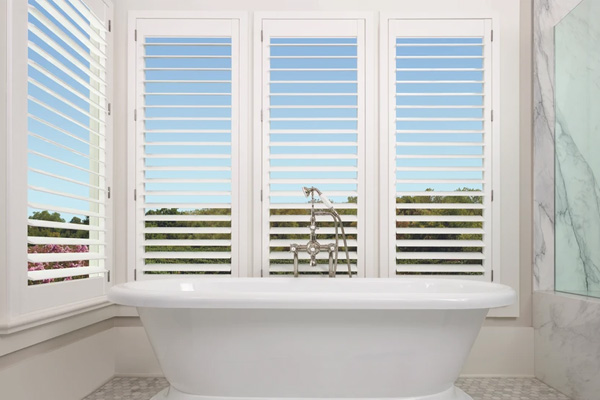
(135, 35)
(108, 108)
(108, 192)
(492, 115)
(109, 25)
(261, 273)
(262, 35)
(492, 35)
(135, 115)
(492, 275)
(261, 116)
(135, 274)
(492, 195)
(261, 195)
(134, 194)
(108, 276)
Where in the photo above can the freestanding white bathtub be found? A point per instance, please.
(312, 338)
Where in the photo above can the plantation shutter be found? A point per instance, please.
(187, 105)
(67, 136)
(440, 143)
(313, 135)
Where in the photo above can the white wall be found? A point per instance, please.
(67, 368)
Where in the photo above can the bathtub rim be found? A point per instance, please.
(137, 294)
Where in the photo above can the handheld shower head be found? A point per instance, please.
(326, 201)
(308, 190)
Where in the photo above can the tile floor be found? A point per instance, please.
(479, 388)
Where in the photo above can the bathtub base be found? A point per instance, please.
(171, 393)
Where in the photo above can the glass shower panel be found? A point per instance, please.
(577, 144)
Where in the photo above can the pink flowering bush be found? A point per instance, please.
(55, 248)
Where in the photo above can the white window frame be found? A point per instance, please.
(505, 260)
(25, 305)
(240, 172)
(367, 144)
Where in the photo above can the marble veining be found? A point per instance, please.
(547, 13)
(567, 347)
(577, 139)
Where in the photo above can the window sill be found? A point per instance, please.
(39, 318)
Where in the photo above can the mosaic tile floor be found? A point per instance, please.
(478, 388)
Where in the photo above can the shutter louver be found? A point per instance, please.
(313, 102)
(186, 122)
(440, 133)
(66, 142)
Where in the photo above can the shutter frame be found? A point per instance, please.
(296, 30)
(172, 29)
(450, 28)
(55, 131)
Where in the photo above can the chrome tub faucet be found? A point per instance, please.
(313, 247)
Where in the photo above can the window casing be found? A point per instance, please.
(68, 166)
(274, 218)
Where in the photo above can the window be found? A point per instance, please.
(433, 203)
(440, 137)
(313, 127)
(68, 193)
(187, 131)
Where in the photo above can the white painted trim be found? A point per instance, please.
(17, 163)
(257, 154)
(130, 133)
(316, 15)
(5, 30)
(47, 316)
(244, 244)
(110, 143)
(371, 210)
